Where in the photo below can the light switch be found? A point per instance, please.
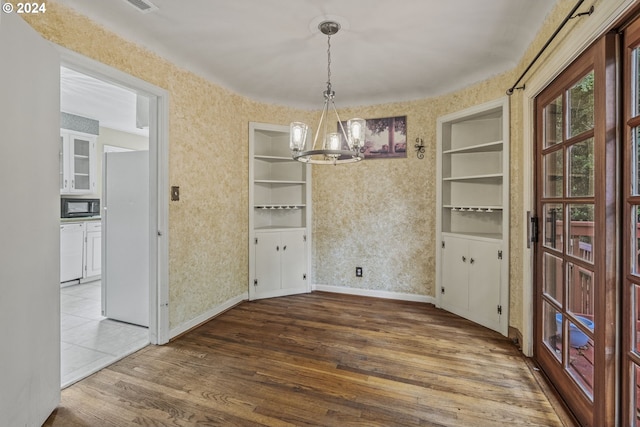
(175, 193)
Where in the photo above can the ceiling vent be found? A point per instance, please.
(144, 6)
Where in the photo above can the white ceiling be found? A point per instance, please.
(272, 51)
(113, 106)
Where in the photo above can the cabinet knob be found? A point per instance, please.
(284, 248)
(472, 260)
(464, 259)
(277, 248)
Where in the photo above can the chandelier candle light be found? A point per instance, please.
(331, 149)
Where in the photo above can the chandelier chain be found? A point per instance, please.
(329, 63)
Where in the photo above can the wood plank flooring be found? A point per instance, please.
(317, 359)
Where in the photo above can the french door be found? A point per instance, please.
(631, 227)
(575, 256)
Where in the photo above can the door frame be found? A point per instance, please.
(158, 178)
(580, 38)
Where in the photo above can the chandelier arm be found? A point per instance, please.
(344, 133)
(325, 108)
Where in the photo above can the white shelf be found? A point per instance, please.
(480, 148)
(278, 227)
(486, 209)
(474, 177)
(279, 207)
(274, 158)
(478, 236)
(277, 181)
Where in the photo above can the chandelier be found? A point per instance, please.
(337, 145)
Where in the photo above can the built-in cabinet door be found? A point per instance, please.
(267, 262)
(280, 266)
(293, 264)
(455, 275)
(471, 279)
(485, 282)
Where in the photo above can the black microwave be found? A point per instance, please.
(77, 208)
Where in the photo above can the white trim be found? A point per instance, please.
(374, 293)
(208, 315)
(159, 178)
(594, 26)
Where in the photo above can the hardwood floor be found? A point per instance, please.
(317, 359)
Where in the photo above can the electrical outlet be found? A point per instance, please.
(358, 271)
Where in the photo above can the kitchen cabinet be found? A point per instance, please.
(279, 215)
(71, 251)
(472, 213)
(77, 154)
(80, 252)
(92, 250)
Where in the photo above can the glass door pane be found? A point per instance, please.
(575, 202)
(631, 229)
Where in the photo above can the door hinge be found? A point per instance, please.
(255, 282)
(442, 290)
(443, 244)
(499, 254)
(499, 309)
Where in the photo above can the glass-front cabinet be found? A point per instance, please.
(77, 154)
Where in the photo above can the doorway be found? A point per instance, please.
(92, 336)
(157, 145)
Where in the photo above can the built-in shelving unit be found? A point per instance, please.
(472, 216)
(279, 215)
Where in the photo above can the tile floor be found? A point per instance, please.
(89, 341)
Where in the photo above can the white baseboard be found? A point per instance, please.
(208, 315)
(374, 293)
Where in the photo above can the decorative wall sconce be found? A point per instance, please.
(419, 148)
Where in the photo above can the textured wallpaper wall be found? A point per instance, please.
(378, 214)
(208, 133)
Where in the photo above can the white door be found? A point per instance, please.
(93, 250)
(455, 275)
(280, 264)
(472, 281)
(267, 264)
(125, 237)
(71, 245)
(29, 225)
(484, 283)
(293, 262)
